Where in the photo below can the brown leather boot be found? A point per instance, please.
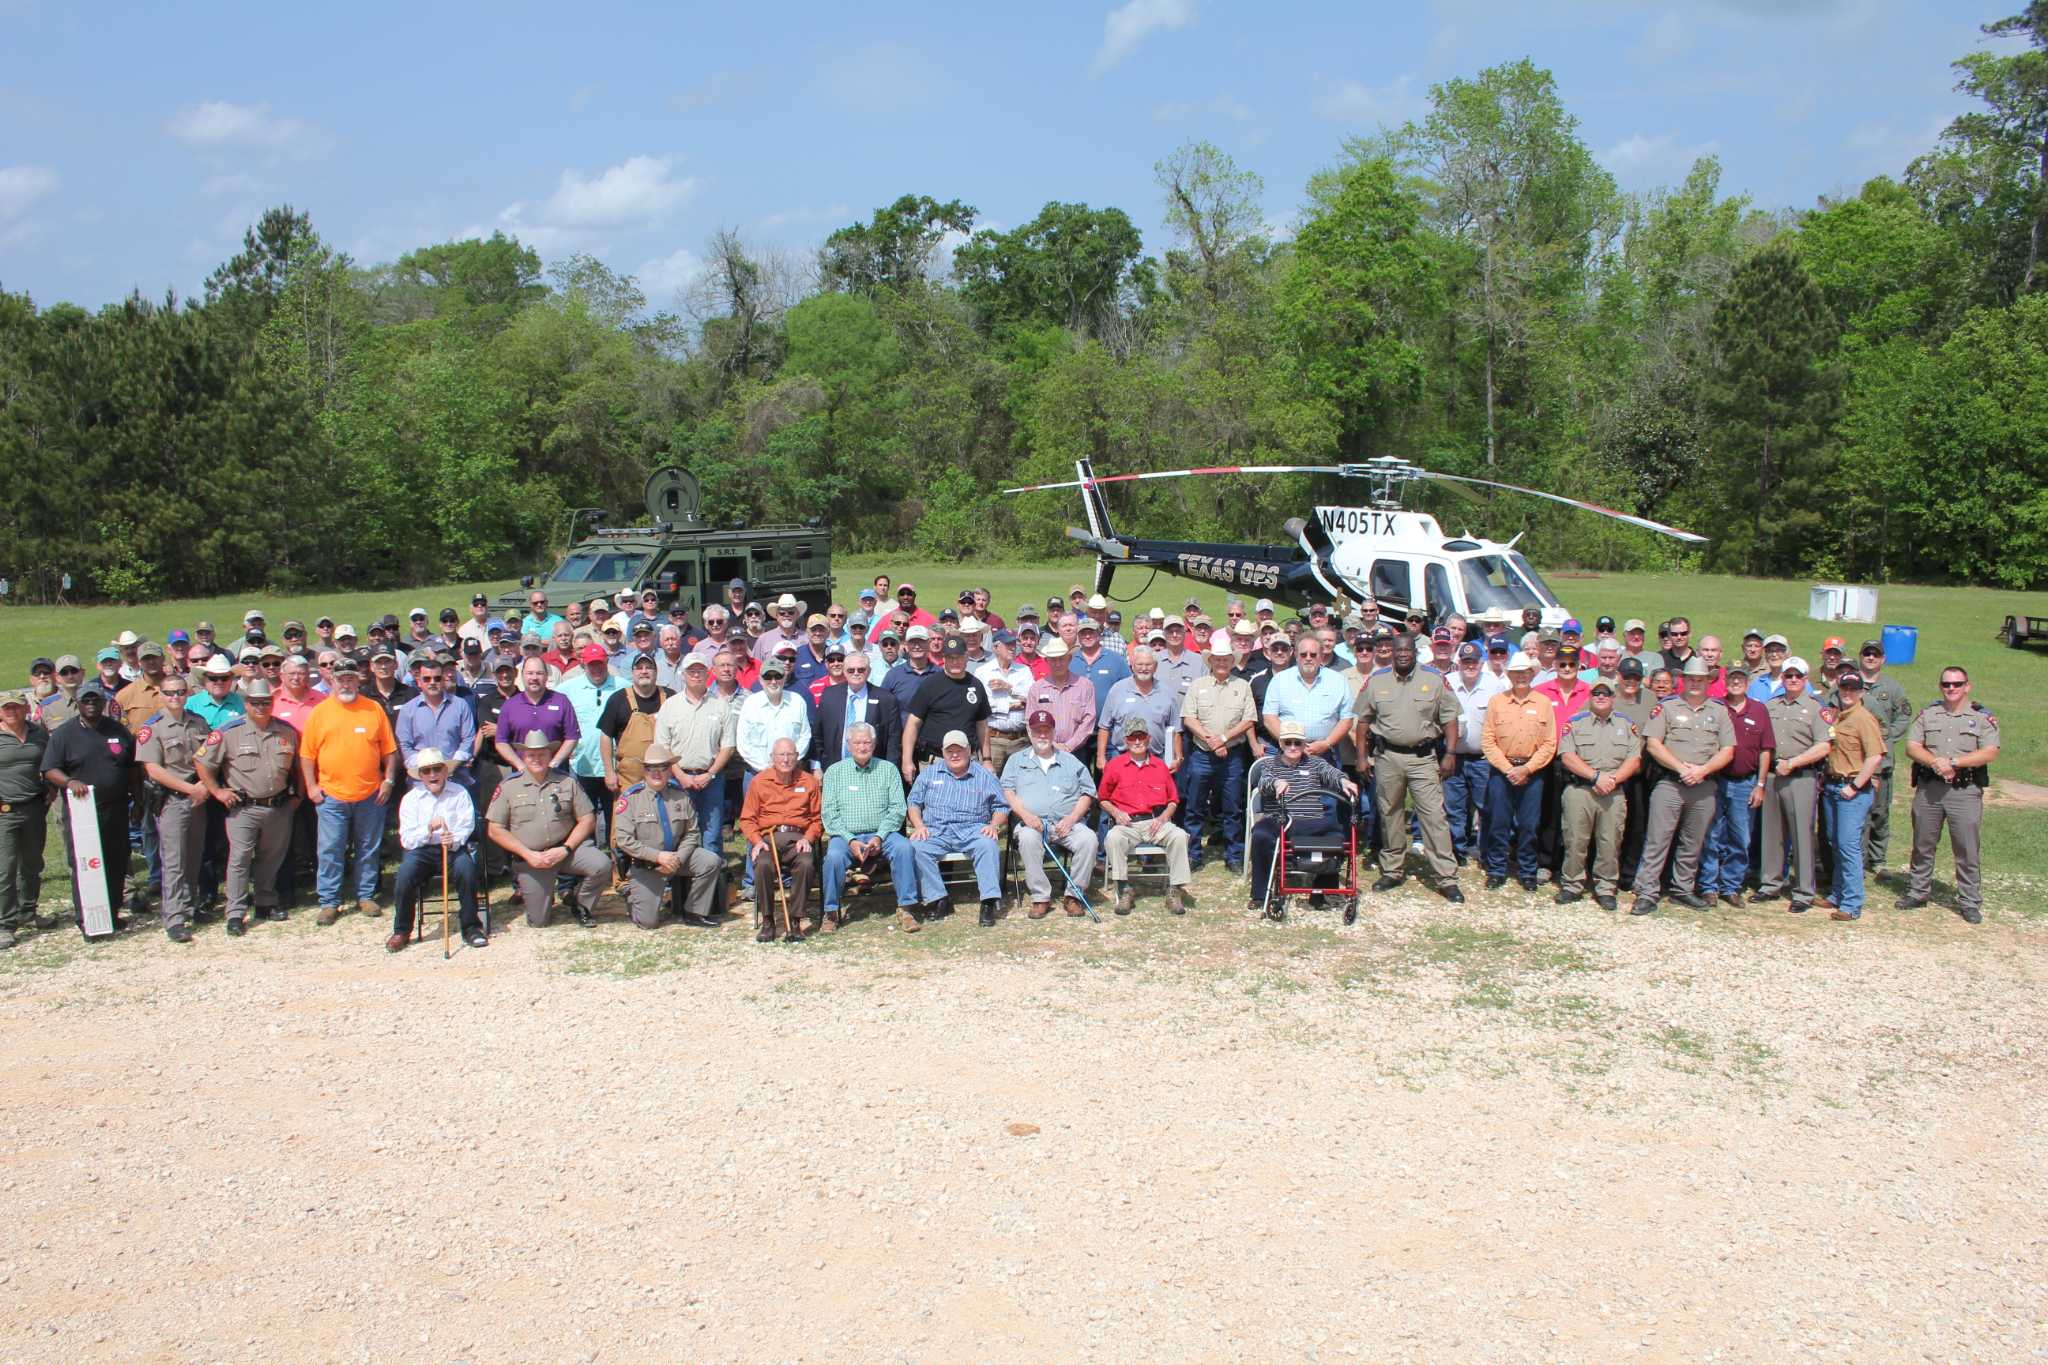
(1126, 899)
(1174, 904)
(1073, 907)
(1039, 909)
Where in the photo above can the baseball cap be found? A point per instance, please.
(1736, 670)
(270, 651)
(772, 667)
(1770, 640)
(246, 653)
(65, 661)
(416, 614)
(472, 645)
(1085, 623)
(323, 620)
(955, 739)
(948, 614)
(870, 595)
(1440, 634)
(344, 632)
(380, 652)
(643, 626)
(199, 626)
(1796, 664)
(1630, 668)
(835, 651)
(1633, 623)
(1521, 659)
(1872, 647)
(1040, 717)
(1290, 729)
(1833, 642)
(1600, 685)
(966, 597)
(593, 654)
(346, 661)
(178, 637)
(1263, 604)
(1005, 637)
(1137, 725)
(600, 604)
(1752, 634)
(1850, 678)
(251, 616)
(1053, 648)
(1572, 627)
(690, 661)
(1156, 633)
(888, 637)
(1605, 623)
(816, 618)
(954, 645)
(1468, 650)
(448, 614)
(1497, 645)
(906, 586)
(1027, 612)
(504, 665)
(739, 583)
(107, 655)
(917, 633)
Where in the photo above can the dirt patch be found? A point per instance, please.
(1504, 1131)
(2006, 792)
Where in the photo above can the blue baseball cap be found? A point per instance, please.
(1572, 627)
(1498, 645)
(179, 637)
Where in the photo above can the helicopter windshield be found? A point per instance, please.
(1504, 581)
(600, 566)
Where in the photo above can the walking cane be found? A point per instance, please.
(789, 934)
(1079, 894)
(1273, 870)
(444, 895)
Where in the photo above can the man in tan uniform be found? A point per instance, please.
(1599, 751)
(1791, 800)
(1952, 745)
(654, 825)
(544, 820)
(1403, 714)
(168, 751)
(250, 765)
(1690, 735)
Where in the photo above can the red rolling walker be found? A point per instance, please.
(1318, 867)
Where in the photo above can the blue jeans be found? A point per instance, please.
(349, 829)
(1222, 779)
(1842, 819)
(988, 861)
(902, 869)
(710, 807)
(746, 863)
(418, 869)
(1465, 803)
(1724, 863)
(1511, 812)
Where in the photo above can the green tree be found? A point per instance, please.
(1066, 266)
(2014, 89)
(1770, 398)
(893, 250)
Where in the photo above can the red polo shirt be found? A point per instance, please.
(1753, 735)
(1137, 790)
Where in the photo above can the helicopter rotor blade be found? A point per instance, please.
(1644, 522)
(1182, 474)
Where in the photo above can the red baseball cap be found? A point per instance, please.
(1833, 642)
(594, 654)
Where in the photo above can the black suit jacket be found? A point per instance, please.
(828, 720)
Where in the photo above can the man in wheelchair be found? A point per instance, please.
(1299, 790)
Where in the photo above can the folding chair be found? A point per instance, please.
(483, 889)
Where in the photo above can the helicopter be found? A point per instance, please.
(1380, 552)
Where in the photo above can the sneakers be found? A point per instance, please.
(1175, 904)
(1126, 899)
(475, 939)
(329, 914)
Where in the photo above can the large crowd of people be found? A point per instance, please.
(881, 747)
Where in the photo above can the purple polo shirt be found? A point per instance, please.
(552, 715)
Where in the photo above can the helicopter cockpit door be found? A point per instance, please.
(1436, 584)
(1393, 583)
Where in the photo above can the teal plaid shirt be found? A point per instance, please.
(862, 801)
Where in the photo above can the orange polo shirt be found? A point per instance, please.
(348, 743)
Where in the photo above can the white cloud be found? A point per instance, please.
(217, 123)
(1132, 22)
(1666, 37)
(1390, 105)
(639, 192)
(664, 276)
(21, 187)
(1640, 161)
(1184, 111)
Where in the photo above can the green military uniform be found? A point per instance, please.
(540, 814)
(23, 823)
(639, 832)
(258, 765)
(1959, 803)
(1405, 719)
(1680, 814)
(1789, 801)
(1885, 699)
(173, 743)
(1592, 822)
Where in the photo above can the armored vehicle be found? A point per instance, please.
(682, 557)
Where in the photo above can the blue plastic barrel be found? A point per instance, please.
(1900, 644)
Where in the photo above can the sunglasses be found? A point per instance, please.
(1794, 673)
(1948, 685)
(171, 692)
(1293, 743)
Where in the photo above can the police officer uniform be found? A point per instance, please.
(1790, 801)
(260, 766)
(540, 814)
(1959, 802)
(647, 822)
(1405, 719)
(1678, 813)
(173, 743)
(1593, 823)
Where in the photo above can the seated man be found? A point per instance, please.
(863, 817)
(654, 824)
(544, 821)
(1139, 797)
(435, 815)
(956, 806)
(1050, 794)
(782, 805)
(1291, 787)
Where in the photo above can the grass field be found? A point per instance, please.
(1956, 625)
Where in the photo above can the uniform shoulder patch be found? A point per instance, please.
(142, 735)
(1827, 715)
(1978, 706)
(1657, 710)
(619, 807)
(1575, 719)
(214, 738)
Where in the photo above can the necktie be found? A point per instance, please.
(852, 719)
(668, 833)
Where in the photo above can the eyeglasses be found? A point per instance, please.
(256, 701)
(1292, 743)
(171, 692)
(70, 672)
(835, 616)
(1946, 685)
(1794, 673)
(1680, 634)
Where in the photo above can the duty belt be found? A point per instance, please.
(1412, 750)
(277, 800)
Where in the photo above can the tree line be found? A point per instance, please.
(1858, 390)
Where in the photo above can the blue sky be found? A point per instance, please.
(137, 141)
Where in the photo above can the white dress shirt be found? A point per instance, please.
(417, 812)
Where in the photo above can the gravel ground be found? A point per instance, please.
(1502, 1132)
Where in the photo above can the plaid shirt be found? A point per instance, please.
(861, 801)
